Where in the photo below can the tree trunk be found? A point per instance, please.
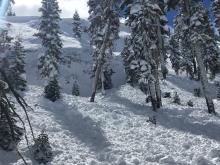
(103, 80)
(100, 61)
(204, 80)
(157, 81)
(161, 49)
(153, 95)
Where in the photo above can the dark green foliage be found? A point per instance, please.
(190, 103)
(100, 12)
(167, 95)
(176, 99)
(49, 33)
(10, 132)
(42, 151)
(17, 72)
(75, 89)
(197, 92)
(77, 25)
(52, 90)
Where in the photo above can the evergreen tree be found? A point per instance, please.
(5, 50)
(77, 25)
(10, 12)
(17, 64)
(141, 55)
(49, 33)
(42, 151)
(10, 132)
(183, 58)
(195, 17)
(216, 11)
(175, 55)
(75, 89)
(52, 90)
(104, 25)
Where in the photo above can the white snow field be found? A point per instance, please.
(113, 130)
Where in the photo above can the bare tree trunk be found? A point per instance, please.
(155, 73)
(153, 95)
(201, 66)
(102, 80)
(161, 49)
(100, 61)
(204, 80)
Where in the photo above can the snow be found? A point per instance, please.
(113, 130)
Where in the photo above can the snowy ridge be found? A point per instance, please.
(113, 130)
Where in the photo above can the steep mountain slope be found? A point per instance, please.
(113, 130)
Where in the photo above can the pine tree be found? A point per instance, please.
(200, 38)
(52, 90)
(183, 58)
(49, 33)
(75, 89)
(194, 14)
(77, 25)
(17, 64)
(10, 132)
(10, 12)
(216, 11)
(141, 55)
(104, 25)
(42, 151)
(175, 55)
(5, 50)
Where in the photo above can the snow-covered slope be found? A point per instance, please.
(113, 130)
(77, 51)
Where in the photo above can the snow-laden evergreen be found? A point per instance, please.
(10, 132)
(113, 130)
(75, 89)
(77, 29)
(17, 73)
(5, 49)
(216, 11)
(104, 25)
(49, 33)
(197, 44)
(144, 50)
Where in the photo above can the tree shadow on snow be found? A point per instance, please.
(182, 121)
(173, 118)
(8, 157)
(187, 84)
(83, 128)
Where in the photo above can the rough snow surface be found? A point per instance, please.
(113, 130)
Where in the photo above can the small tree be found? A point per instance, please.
(42, 151)
(52, 90)
(176, 99)
(75, 89)
(76, 25)
(17, 71)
